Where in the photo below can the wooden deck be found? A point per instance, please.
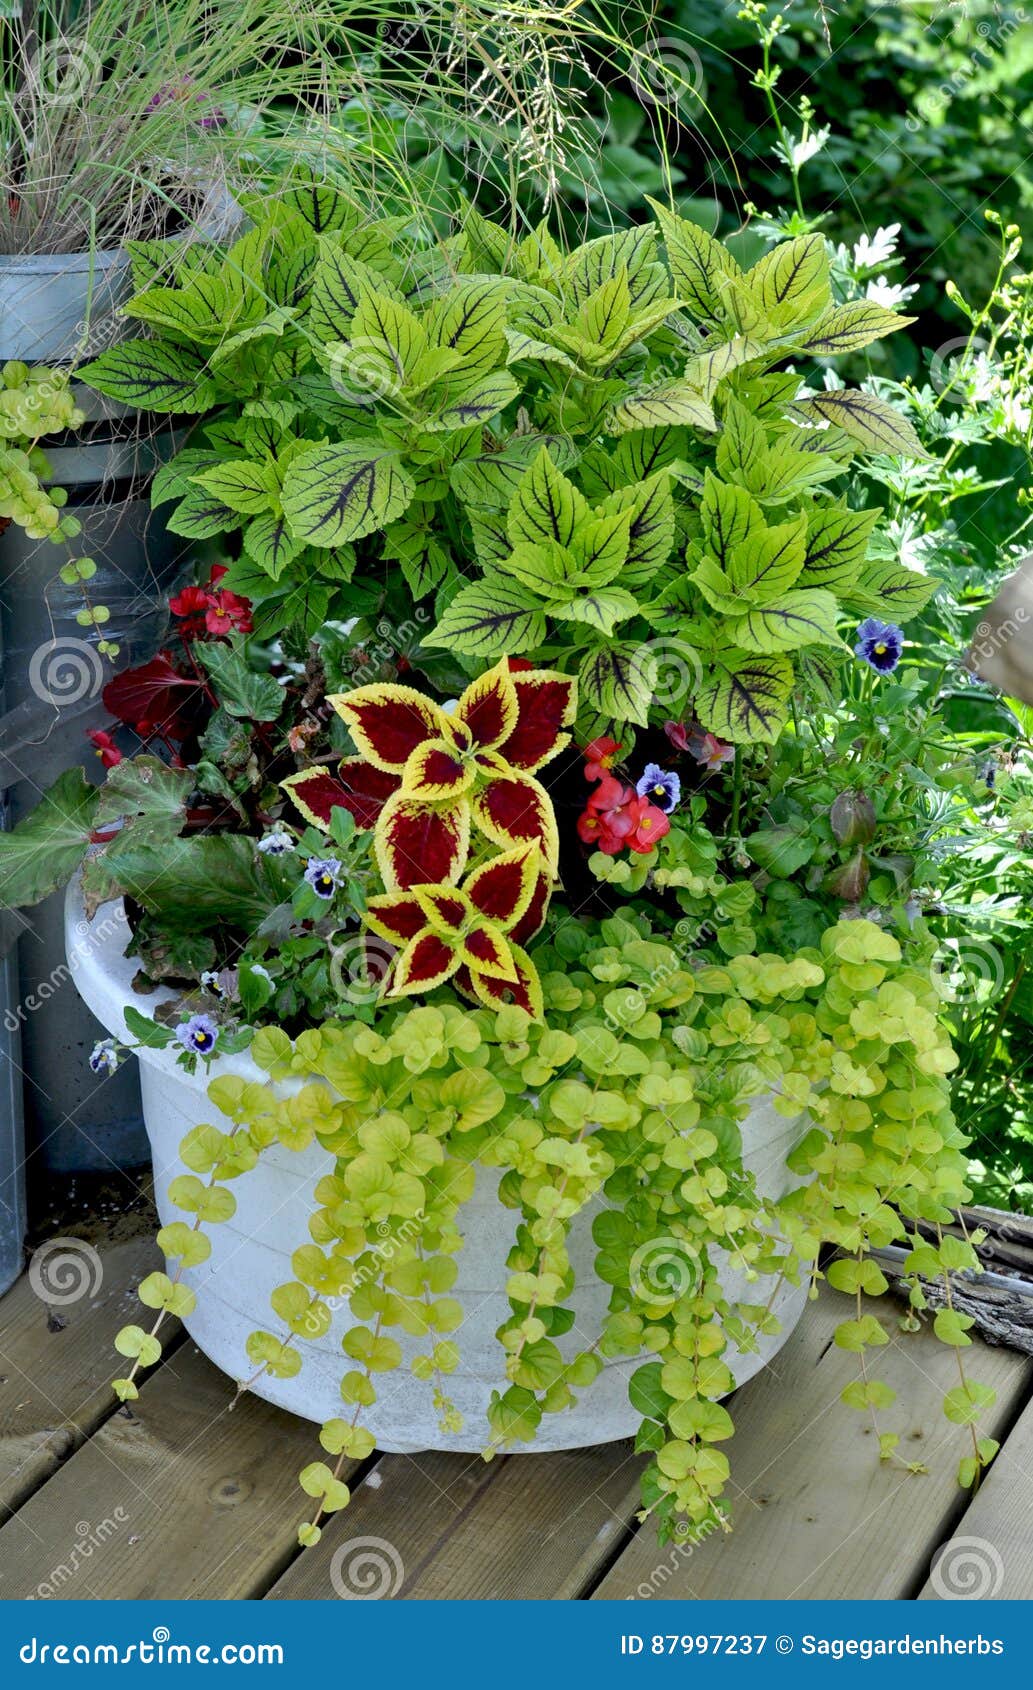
(182, 1498)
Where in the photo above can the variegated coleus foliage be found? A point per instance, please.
(432, 784)
(594, 459)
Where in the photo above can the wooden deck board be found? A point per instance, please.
(56, 1370)
(525, 1527)
(189, 1499)
(184, 1499)
(998, 1555)
(815, 1513)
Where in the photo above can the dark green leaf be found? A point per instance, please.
(44, 850)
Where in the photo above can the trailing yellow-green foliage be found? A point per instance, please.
(632, 1090)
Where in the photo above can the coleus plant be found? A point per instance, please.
(428, 779)
(468, 932)
(427, 775)
(590, 457)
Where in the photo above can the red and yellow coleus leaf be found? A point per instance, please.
(420, 844)
(446, 930)
(487, 951)
(427, 961)
(473, 764)
(525, 990)
(356, 786)
(489, 709)
(501, 889)
(514, 808)
(546, 705)
(388, 723)
(437, 772)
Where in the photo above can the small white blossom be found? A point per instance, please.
(275, 844)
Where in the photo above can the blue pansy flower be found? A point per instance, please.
(198, 1035)
(661, 786)
(879, 644)
(275, 844)
(323, 875)
(104, 1057)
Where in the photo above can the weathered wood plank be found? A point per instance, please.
(410, 1503)
(989, 1553)
(181, 1498)
(815, 1512)
(56, 1367)
(541, 1532)
(524, 1527)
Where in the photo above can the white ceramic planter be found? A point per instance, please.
(251, 1254)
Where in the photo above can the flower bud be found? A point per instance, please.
(852, 818)
(851, 881)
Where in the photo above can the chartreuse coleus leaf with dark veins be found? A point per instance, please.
(558, 559)
(425, 776)
(435, 369)
(605, 298)
(469, 932)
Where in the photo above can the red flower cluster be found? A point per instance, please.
(211, 609)
(615, 816)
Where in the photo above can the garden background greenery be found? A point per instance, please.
(900, 131)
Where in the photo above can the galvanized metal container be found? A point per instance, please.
(74, 1121)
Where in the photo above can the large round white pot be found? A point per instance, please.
(251, 1253)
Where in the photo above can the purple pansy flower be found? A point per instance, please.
(104, 1058)
(198, 1035)
(323, 875)
(661, 786)
(275, 844)
(879, 644)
